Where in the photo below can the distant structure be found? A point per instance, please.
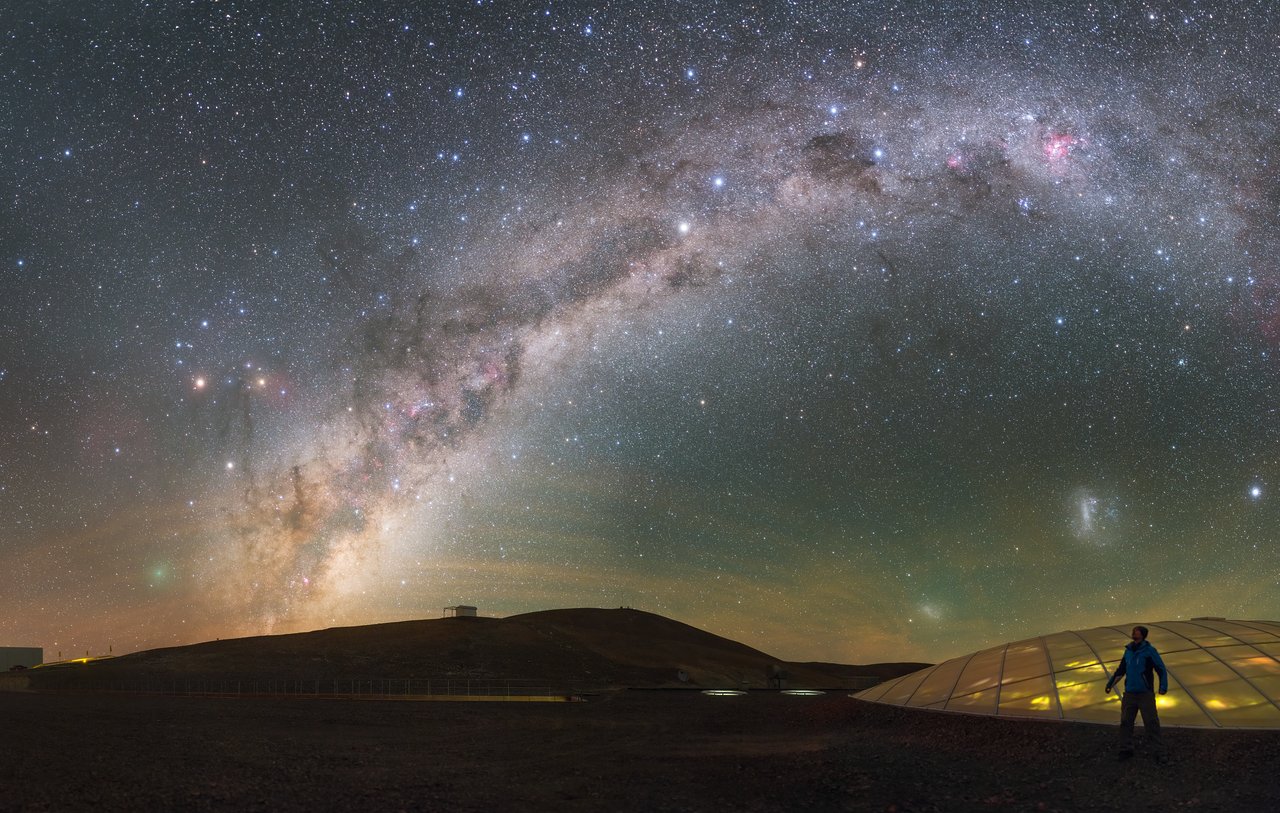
(460, 611)
(20, 656)
(777, 677)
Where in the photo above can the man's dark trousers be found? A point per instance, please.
(1130, 705)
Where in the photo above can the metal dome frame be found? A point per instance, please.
(1222, 674)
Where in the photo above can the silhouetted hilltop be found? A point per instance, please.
(572, 647)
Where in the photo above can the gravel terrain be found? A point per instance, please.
(650, 751)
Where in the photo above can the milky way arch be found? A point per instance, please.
(850, 174)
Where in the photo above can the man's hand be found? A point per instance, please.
(1107, 689)
(1164, 691)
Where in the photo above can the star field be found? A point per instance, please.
(859, 333)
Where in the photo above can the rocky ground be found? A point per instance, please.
(650, 751)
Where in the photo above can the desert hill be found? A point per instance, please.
(596, 648)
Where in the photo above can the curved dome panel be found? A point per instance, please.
(1222, 674)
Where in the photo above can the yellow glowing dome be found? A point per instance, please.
(1222, 674)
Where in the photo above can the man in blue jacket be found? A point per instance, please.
(1139, 665)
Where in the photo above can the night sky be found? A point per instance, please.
(857, 334)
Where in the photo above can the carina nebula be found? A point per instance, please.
(859, 333)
